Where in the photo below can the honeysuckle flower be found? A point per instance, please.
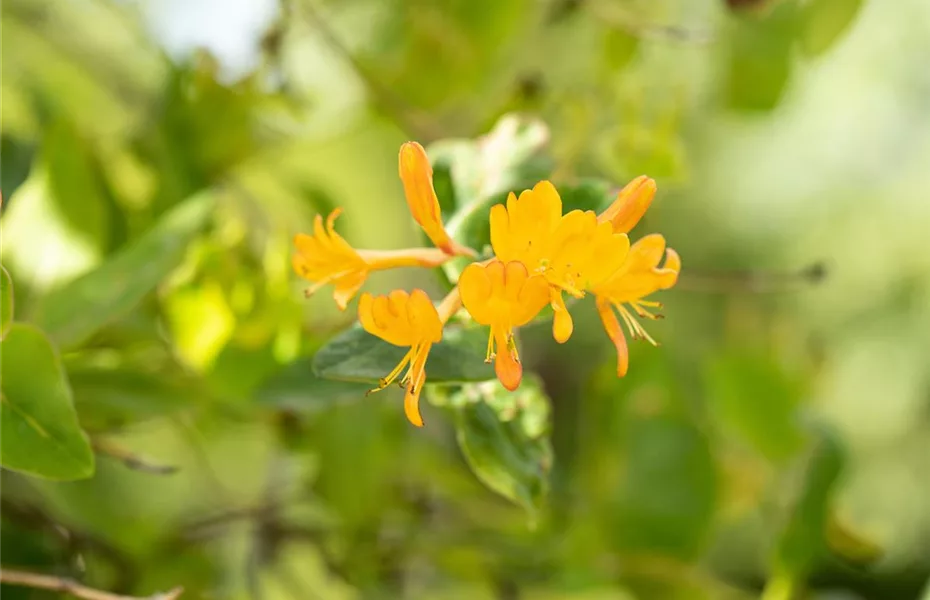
(573, 252)
(416, 173)
(404, 319)
(325, 257)
(503, 296)
(631, 204)
(639, 276)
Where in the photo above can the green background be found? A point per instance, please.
(162, 422)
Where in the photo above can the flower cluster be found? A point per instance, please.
(540, 255)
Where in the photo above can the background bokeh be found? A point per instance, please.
(159, 156)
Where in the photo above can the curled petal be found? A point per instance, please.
(615, 333)
(347, 286)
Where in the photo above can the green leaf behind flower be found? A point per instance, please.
(356, 355)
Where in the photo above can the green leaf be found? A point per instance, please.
(41, 435)
(760, 59)
(296, 387)
(823, 22)
(668, 494)
(586, 194)
(803, 540)
(356, 355)
(505, 439)
(107, 398)
(75, 311)
(6, 301)
(619, 48)
(757, 403)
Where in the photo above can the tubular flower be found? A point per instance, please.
(631, 204)
(573, 252)
(639, 276)
(411, 320)
(503, 296)
(325, 257)
(417, 177)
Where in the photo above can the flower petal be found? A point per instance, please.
(562, 325)
(631, 204)
(615, 333)
(416, 173)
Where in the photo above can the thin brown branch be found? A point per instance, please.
(72, 587)
(750, 282)
(132, 461)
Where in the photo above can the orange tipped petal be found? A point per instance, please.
(416, 173)
(412, 406)
(509, 370)
(615, 333)
(631, 204)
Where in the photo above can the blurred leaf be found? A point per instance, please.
(619, 48)
(108, 398)
(356, 355)
(802, 542)
(668, 493)
(6, 301)
(201, 322)
(296, 387)
(823, 22)
(41, 435)
(586, 194)
(505, 439)
(760, 59)
(758, 403)
(850, 544)
(456, 173)
(72, 313)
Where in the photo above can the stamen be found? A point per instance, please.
(640, 331)
(489, 356)
(386, 381)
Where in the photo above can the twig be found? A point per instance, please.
(75, 541)
(72, 587)
(132, 461)
(621, 18)
(752, 282)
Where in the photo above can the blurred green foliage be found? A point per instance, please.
(175, 412)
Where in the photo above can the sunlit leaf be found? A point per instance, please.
(41, 435)
(504, 437)
(6, 301)
(356, 355)
(823, 22)
(74, 312)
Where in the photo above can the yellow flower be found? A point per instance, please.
(573, 252)
(325, 257)
(405, 319)
(417, 177)
(631, 204)
(503, 296)
(639, 276)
